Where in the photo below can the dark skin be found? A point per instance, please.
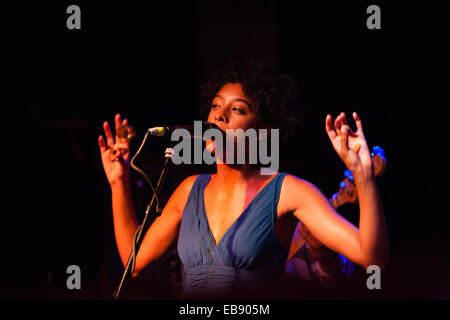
(232, 188)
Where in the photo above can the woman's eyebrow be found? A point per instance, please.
(235, 99)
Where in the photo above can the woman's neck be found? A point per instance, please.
(237, 174)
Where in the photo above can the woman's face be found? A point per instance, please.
(231, 109)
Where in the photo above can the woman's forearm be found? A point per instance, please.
(124, 217)
(372, 227)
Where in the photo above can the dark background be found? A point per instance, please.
(148, 61)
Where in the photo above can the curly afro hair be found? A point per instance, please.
(275, 95)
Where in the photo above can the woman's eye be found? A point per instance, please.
(214, 106)
(238, 110)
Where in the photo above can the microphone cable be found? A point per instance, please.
(155, 193)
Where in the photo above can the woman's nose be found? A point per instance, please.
(220, 116)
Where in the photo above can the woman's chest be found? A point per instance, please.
(224, 207)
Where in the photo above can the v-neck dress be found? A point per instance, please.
(247, 259)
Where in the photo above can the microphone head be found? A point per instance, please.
(158, 131)
(167, 131)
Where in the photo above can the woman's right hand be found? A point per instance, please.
(115, 153)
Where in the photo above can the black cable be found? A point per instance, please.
(144, 174)
(158, 207)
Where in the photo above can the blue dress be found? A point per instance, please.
(248, 260)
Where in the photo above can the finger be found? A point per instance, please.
(344, 121)
(329, 128)
(340, 121)
(118, 120)
(125, 152)
(102, 145)
(344, 118)
(108, 133)
(118, 153)
(125, 122)
(344, 137)
(338, 124)
(357, 121)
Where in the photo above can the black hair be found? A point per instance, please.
(275, 95)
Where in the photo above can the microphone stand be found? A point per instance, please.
(146, 222)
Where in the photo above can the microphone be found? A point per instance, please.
(167, 131)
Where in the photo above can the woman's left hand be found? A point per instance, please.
(351, 146)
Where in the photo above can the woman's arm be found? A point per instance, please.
(163, 233)
(365, 246)
(161, 238)
(117, 170)
(124, 218)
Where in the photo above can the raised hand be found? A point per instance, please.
(114, 153)
(351, 146)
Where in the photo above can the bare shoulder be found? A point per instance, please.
(296, 193)
(184, 188)
(186, 184)
(293, 185)
(181, 193)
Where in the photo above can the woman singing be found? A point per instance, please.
(232, 229)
